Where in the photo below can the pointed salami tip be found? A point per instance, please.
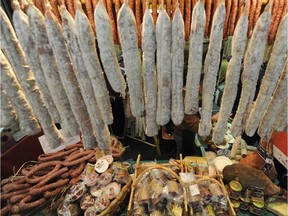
(247, 6)
(16, 5)
(268, 8)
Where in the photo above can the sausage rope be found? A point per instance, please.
(128, 37)
(211, 67)
(252, 64)
(149, 74)
(164, 66)
(232, 76)
(107, 52)
(177, 52)
(273, 71)
(87, 45)
(101, 130)
(50, 69)
(191, 100)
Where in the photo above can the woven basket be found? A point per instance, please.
(142, 169)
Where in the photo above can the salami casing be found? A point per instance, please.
(25, 77)
(8, 114)
(22, 29)
(252, 64)
(177, 52)
(128, 38)
(68, 78)
(100, 129)
(274, 107)
(273, 70)
(149, 75)
(50, 69)
(164, 66)
(191, 101)
(87, 45)
(107, 52)
(27, 120)
(211, 67)
(232, 76)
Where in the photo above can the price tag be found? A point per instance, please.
(261, 152)
(194, 190)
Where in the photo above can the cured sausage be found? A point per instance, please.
(208, 9)
(28, 202)
(128, 37)
(100, 129)
(272, 73)
(233, 16)
(211, 67)
(164, 66)
(49, 66)
(257, 12)
(68, 78)
(40, 190)
(253, 6)
(274, 108)
(187, 18)
(22, 29)
(8, 113)
(89, 8)
(177, 52)
(87, 46)
(27, 119)
(228, 4)
(149, 75)
(232, 76)
(191, 100)
(252, 64)
(107, 52)
(111, 11)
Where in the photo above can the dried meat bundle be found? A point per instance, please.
(252, 64)
(211, 67)
(50, 69)
(27, 120)
(195, 59)
(232, 77)
(149, 74)
(164, 66)
(87, 45)
(107, 52)
(101, 130)
(128, 37)
(177, 52)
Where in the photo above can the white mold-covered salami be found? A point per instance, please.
(69, 80)
(232, 76)
(211, 67)
(27, 119)
(100, 129)
(87, 45)
(191, 100)
(149, 75)
(129, 41)
(164, 66)
(177, 52)
(274, 107)
(107, 52)
(25, 77)
(8, 114)
(252, 63)
(22, 29)
(281, 122)
(51, 71)
(274, 68)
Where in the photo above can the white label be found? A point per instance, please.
(194, 190)
(67, 141)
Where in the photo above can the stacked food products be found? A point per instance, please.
(97, 191)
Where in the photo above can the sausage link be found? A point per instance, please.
(15, 186)
(51, 176)
(28, 203)
(233, 17)
(53, 193)
(40, 190)
(17, 198)
(85, 158)
(78, 170)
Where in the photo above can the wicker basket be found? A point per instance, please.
(142, 169)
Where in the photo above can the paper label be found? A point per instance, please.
(194, 190)
(67, 141)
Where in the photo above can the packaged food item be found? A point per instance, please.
(218, 195)
(112, 190)
(91, 211)
(173, 188)
(194, 198)
(175, 209)
(143, 194)
(96, 192)
(205, 195)
(105, 178)
(121, 176)
(234, 190)
(101, 165)
(209, 210)
(187, 177)
(139, 211)
(71, 209)
(86, 201)
(257, 208)
(76, 192)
